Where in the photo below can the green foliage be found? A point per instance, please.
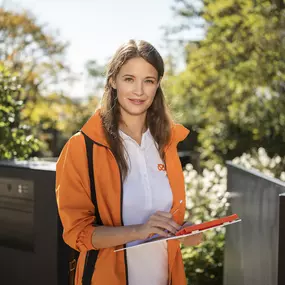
(29, 49)
(231, 93)
(56, 117)
(204, 264)
(206, 199)
(16, 140)
(232, 89)
(37, 56)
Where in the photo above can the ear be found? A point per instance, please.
(113, 83)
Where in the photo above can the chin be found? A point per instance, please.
(135, 110)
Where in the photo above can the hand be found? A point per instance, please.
(192, 240)
(158, 223)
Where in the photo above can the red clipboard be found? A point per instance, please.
(207, 225)
(188, 231)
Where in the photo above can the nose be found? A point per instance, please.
(138, 89)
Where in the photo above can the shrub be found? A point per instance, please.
(206, 199)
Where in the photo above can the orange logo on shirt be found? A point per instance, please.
(161, 167)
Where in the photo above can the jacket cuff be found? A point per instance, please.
(84, 240)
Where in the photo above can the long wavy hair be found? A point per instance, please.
(158, 118)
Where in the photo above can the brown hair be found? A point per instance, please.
(158, 118)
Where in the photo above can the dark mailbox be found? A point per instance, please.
(31, 248)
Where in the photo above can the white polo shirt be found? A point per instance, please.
(146, 190)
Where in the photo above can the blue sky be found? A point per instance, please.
(96, 28)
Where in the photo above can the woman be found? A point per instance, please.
(138, 178)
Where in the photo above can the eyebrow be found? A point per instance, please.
(151, 77)
(134, 76)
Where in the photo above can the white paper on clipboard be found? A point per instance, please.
(157, 238)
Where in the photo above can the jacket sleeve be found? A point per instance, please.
(73, 196)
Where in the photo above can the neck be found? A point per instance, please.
(133, 126)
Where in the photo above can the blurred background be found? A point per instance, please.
(225, 81)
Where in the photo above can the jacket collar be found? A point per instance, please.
(93, 128)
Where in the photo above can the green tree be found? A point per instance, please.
(56, 117)
(16, 139)
(232, 89)
(231, 93)
(38, 57)
(32, 51)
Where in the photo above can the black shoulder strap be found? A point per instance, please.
(92, 255)
(89, 150)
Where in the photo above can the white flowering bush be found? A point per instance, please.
(206, 195)
(206, 199)
(259, 159)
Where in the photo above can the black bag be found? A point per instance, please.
(92, 255)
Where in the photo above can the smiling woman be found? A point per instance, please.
(136, 85)
(133, 79)
(138, 178)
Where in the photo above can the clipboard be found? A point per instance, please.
(188, 231)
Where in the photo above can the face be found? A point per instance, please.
(136, 85)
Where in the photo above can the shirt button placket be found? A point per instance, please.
(146, 180)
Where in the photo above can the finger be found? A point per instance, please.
(167, 220)
(199, 236)
(160, 232)
(163, 225)
(163, 214)
(198, 240)
(196, 237)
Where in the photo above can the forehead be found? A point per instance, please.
(138, 67)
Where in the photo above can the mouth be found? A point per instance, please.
(137, 101)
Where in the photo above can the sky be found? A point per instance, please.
(95, 29)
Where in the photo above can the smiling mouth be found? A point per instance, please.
(137, 101)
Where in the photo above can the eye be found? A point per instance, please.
(149, 81)
(128, 79)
